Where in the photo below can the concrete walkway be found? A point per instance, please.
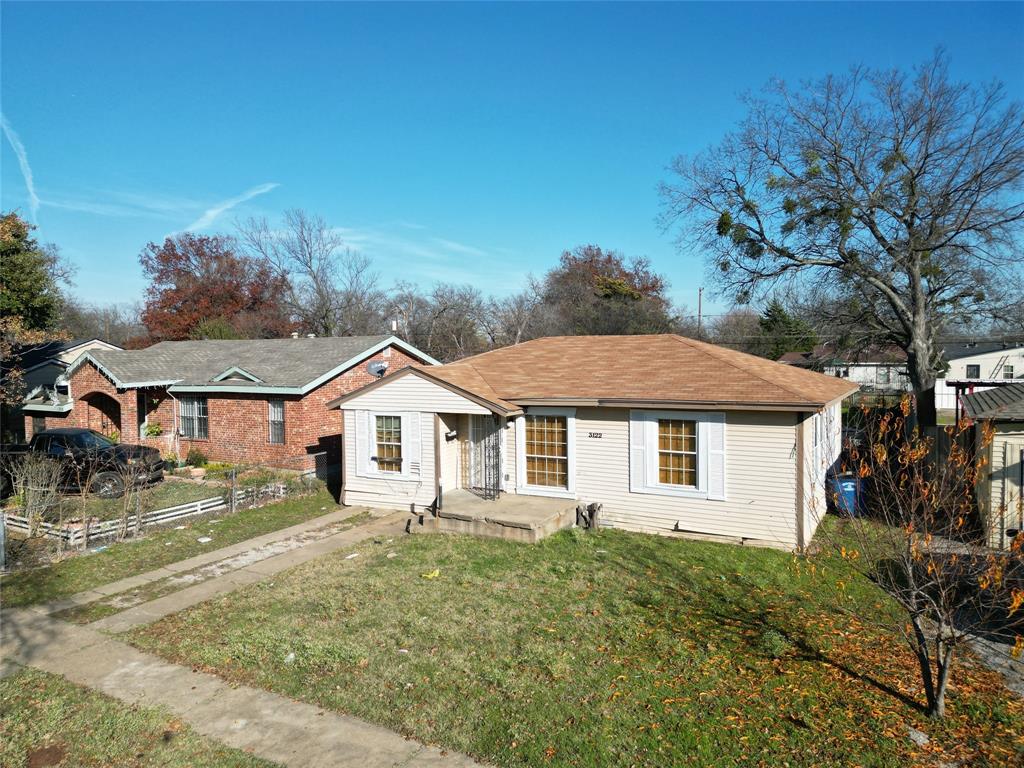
(267, 725)
(257, 570)
(197, 561)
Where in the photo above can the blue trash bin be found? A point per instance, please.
(845, 494)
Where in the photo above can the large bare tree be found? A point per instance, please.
(897, 195)
(333, 290)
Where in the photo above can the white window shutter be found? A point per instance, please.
(637, 451)
(363, 443)
(411, 424)
(716, 456)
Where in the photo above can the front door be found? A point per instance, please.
(484, 456)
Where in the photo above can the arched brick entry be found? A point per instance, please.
(103, 413)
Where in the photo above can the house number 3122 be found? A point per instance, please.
(595, 435)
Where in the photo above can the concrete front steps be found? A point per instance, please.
(526, 519)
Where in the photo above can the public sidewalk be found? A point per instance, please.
(263, 723)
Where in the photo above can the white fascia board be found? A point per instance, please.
(233, 370)
(380, 347)
(199, 389)
(31, 408)
(410, 349)
(86, 357)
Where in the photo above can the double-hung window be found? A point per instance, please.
(275, 419)
(547, 452)
(677, 452)
(545, 447)
(389, 443)
(194, 419)
(1007, 371)
(973, 371)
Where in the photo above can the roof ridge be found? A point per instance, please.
(691, 342)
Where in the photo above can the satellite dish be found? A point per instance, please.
(377, 367)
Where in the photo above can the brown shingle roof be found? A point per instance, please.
(658, 368)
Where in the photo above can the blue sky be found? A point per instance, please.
(466, 143)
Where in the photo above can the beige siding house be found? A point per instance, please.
(1000, 491)
(669, 435)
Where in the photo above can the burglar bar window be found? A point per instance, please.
(194, 419)
(276, 415)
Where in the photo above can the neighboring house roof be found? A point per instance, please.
(961, 349)
(287, 366)
(623, 370)
(999, 404)
(829, 354)
(33, 355)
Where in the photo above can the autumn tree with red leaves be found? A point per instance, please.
(198, 279)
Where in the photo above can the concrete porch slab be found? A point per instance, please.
(510, 516)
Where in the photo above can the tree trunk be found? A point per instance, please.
(937, 710)
(921, 369)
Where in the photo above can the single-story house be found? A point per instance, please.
(258, 401)
(876, 369)
(975, 366)
(670, 435)
(1000, 489)
(40, 365)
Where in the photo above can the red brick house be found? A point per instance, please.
(255, 401)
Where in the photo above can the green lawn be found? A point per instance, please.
(84, 571)
(592, 649)
(45, 720)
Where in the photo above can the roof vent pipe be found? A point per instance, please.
(295, 334)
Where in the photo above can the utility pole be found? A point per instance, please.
(700, 312)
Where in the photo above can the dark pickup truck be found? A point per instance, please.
(86, 457)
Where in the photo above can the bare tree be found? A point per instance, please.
(116, 323)
(896, 196)
(511, 320)
(448, 323)
(919, 543)
(333, 291)
(739, 328)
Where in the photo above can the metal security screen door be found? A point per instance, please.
(484, 456)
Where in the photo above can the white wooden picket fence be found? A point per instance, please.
(75, 533)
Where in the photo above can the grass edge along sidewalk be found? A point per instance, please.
(47, 720)
(120, 560)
